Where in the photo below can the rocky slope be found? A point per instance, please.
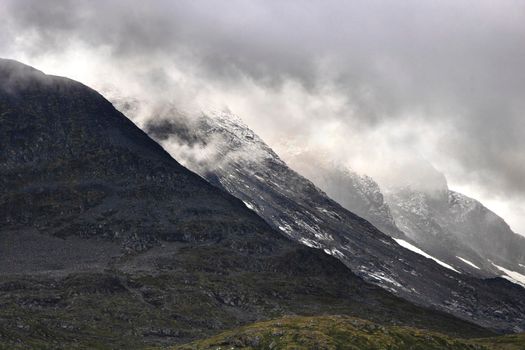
(107, 242)
(226, 152)
(459, 230)
(448, 225)
(359, 194)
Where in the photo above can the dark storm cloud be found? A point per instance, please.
(453, 68)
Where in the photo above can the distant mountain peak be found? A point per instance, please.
(301, 211)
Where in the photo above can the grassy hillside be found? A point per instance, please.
(508, 342)
(343, 333)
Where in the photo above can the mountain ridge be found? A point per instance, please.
(301, 211)
(108, 242)
(466, 226)
(444, 223)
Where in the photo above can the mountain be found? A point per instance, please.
(459, 230)
(223, 150)
(360, 194)
(107, 242)
(426, 215)
(447, 225)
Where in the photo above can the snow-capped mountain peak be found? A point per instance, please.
(242, 164)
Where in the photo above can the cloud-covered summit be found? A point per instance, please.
(370, 83)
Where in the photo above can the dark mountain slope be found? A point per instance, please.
(72, 165)
(245, 166)
(107, 242)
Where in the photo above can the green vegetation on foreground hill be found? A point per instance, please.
(343, 333)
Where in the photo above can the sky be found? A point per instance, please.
(388, 88)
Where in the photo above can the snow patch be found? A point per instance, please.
(415, 249)
(309, 243)
(337, 253)
(379, 276)
(248, 205)
(334, 252)
(512, 280)
(286, 228)
(512, 276)
(467, 262)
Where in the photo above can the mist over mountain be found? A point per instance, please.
(446, 224)
(262, 174)
(106, 241)
(359, 194)
(453, 226)
(243, 165)
(373, 85)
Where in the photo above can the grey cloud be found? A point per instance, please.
(451, 68)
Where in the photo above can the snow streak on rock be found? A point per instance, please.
(512, 276)
(467, 262)
(415, 249)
